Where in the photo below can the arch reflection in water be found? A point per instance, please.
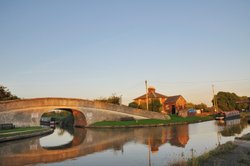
(58, 138)
(63, 138)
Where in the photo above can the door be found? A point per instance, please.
(173, 109)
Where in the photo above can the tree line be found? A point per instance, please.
(229, 101)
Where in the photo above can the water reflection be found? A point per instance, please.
(63, 138)
(232, 127)
(155, 137)
(58, 137)
(180, 135)
(166, 144)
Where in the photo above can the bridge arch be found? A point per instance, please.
(79, 117)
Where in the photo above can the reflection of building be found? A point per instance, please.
(180, 135)
(153, 140)
(176, 135)
(170, 104)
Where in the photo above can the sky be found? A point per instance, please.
(94, 48)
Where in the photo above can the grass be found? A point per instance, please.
(221, 149)
(174, 119)
(244, 161)
(244, 114)
(245, 137)
(20, 131)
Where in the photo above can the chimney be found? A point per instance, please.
(151, 90)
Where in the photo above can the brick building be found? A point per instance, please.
(175, 103)
(170, 104)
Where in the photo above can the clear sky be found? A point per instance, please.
(91, 49)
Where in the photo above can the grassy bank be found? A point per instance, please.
(20, 131)
(174, 119)
(244, 114)
(245, 137)
(221, 149)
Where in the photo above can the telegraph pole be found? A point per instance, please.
(146, 84)
(215, 102)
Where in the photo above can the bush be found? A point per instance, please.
(155, 105)
(133, 105)
(112, 99)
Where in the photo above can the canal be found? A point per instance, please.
(132, 146)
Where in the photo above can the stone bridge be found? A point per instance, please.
(28, 112)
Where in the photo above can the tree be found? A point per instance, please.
(200, 106)
(112, 99)
(228, 101)
(189, 105)
(155, 105)
(133, 105)
(5, 94)
(242, 106)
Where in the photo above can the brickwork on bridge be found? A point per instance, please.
(27, 112)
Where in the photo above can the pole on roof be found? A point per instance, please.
(146, 84)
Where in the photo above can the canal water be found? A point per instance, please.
(134, 146)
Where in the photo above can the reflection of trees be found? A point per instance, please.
(60, 131)
(233, 127)
(69, 129)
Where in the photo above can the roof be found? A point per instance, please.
(172, 99)
(151, 95)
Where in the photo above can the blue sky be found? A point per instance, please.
(91, 49)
